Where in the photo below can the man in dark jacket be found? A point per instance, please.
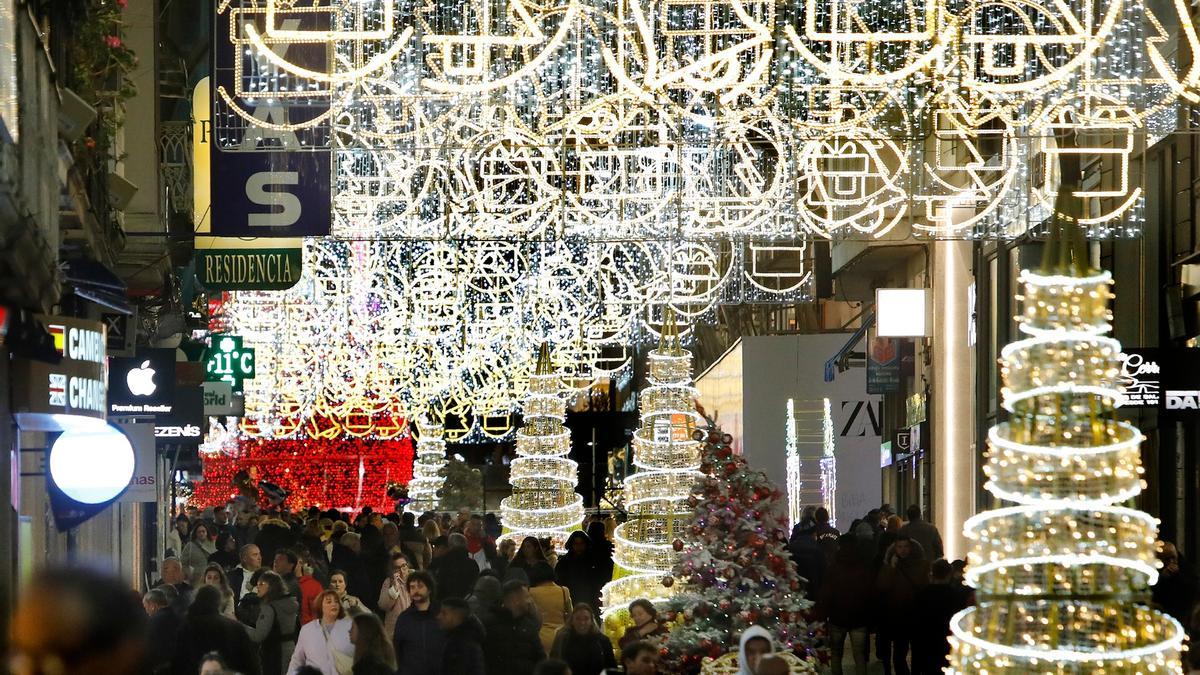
(161, 631)
(205, 630)
(512, 646)
(456, 572)
(923, 532)
(419, 641)
(904, 573)
(464, 638)
(935, 605)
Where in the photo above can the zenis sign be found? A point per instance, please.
(248, 269)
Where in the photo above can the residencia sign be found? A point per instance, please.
(249, 269)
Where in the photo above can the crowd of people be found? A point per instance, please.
(885, 578)
(318, 592)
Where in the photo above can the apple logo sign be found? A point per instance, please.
(141, 380)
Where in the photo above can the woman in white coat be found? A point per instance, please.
(325, 644)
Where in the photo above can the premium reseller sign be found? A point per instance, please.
(46, 396)
(142, 385)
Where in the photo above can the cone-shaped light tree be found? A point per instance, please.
(543, 502)
(667, 462)
(1061, 574)
(427, 467)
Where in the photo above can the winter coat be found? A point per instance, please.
(392, 601)
(485, 598)
(464, 649)
(310, 588)
(926, 534)
(512, 645)
(214, 633)
(372, 666)
(456, 573)
(275, 633)
(554, 604)
(161, 632)
(316, 648)
(847, 598)
(271, 537)
(238, 577)
(357, 579)
(578, 573)
(899, 582)
(935, 605)
(419, 642)
(631, 635)
(586, 653)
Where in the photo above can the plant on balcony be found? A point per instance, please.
(102, 64)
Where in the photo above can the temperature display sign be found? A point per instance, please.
(228, 361)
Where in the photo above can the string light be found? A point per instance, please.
(1059, 575)
(543, 501)
(667, 458)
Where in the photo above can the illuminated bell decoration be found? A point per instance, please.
(543, 501)
(1059, 574)
(667, 458)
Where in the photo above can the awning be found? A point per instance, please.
(831, 366)
(95, 282)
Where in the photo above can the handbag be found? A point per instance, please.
(342, 662)
(566, 606)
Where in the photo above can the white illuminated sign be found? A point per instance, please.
(901, 312)
(141, 380)
(92, 466)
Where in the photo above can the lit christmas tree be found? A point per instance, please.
(543, 501)
(1061, 576)
(735, 570)
(427, 468)
(667, 461)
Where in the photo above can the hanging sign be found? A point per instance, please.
(1141, 377)
(142, 385)
(273, 180)
(76, 386)
(228, 361)
(232, 263)
(883, 366)
(218, 399)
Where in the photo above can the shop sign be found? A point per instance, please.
(273, 181)
(143, 486)
(121, 330)
(248, 269)
(142, 385)
(232, 263)
(218, 398)
(228, 361)
(77, 385)
(184, 424)
(883, 366)
(1141, 378)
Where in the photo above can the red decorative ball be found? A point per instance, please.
(724, 604)
(668, 581)
(677, 544)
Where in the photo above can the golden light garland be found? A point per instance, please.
(667, 461)
(1059, 576)
(543, 502)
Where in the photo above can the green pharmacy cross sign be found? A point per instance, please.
(228, 361)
